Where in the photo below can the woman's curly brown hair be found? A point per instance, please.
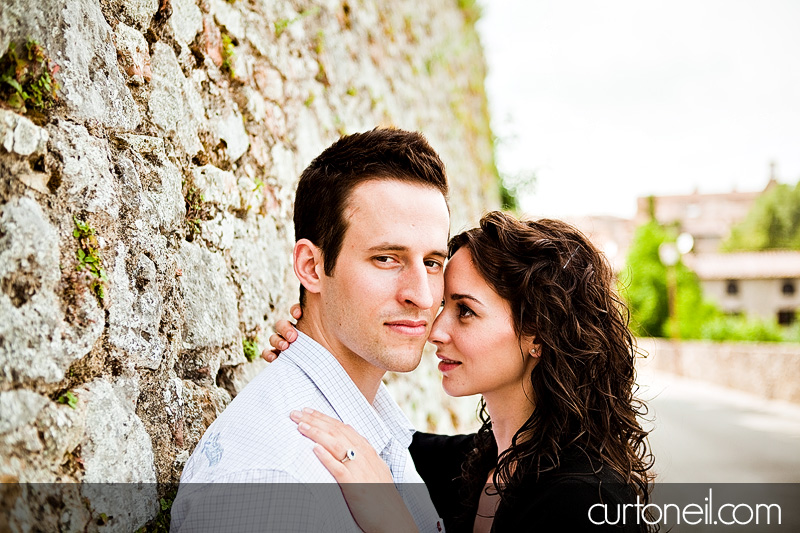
(561, 291)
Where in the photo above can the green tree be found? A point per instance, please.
(646, 289)
(646, 286)
(772, 223)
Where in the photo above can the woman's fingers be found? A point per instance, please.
(286, 330)
(296, 311)
(269, 355)
(337, 445)
(337, 439)
(326, 423)
(337, 468)
(278, 342)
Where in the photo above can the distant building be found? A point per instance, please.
(765, 284)
(707, 217)
(612, 235)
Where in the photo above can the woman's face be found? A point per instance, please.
(475, 338)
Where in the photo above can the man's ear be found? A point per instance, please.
(308, 265)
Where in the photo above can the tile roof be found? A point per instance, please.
(745, 265)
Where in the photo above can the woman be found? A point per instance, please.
(531, 322)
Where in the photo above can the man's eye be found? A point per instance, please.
(433, 264)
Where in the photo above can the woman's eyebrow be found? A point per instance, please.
(457, 297)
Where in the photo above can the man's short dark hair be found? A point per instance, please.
(327, 183)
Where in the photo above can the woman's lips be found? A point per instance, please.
(445, 365)
(413, 328)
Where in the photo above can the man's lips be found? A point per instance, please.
(413, 328)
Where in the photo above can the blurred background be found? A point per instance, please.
(149, 160)
(670, 133)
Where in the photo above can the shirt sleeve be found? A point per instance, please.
(251, 500)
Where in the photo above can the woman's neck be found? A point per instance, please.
(509, 410)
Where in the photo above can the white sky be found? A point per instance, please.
(609, 100)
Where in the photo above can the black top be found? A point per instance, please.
(558, 501)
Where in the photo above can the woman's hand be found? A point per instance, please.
(364, 478)
(285, 334)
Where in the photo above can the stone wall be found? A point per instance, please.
(145, 220)
(769, 370)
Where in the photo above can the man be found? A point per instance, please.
(371, 225)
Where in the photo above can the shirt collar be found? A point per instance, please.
(377, 422)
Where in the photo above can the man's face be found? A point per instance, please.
(387, 285)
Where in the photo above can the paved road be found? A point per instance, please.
(708, 434)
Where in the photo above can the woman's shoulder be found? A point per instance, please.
(573, 497)
(440, 456)
(439, 459)
(436, 443)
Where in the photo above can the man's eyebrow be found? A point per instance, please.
(389, 247)
(456, 297)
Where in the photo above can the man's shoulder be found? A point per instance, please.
(260, 500)
(255, 433)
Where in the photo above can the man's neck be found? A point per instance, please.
(365, 376)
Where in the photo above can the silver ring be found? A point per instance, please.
(349, 455)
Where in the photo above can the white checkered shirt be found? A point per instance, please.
(254, 443)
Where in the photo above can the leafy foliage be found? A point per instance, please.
(197, 209)
(772, 223)
(161, 523)
(646, 295)
(646, 289)
(27, 79)
(282, 24)
(88, 256)
(250, 346)
(471, 9)
(69, 399)
(511, 186)
(227, 54)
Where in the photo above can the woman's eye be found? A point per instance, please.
(464, 311)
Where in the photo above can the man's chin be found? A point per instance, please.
(404, 360)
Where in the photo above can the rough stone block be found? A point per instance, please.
(133, 53)
(134, 311)
(144, 144)
(209, 299)
(20, 136)
(119, 478)
(137, 13)
(173, 102)
(186, 20)
(228, 125)
(35, 340)
(219, 232)
(33, 425)
(228, 16)
(19, 408)
(259, 255)
(218, 186)
(78, 39)
(86, 173)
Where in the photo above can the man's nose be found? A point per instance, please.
(416, 287)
